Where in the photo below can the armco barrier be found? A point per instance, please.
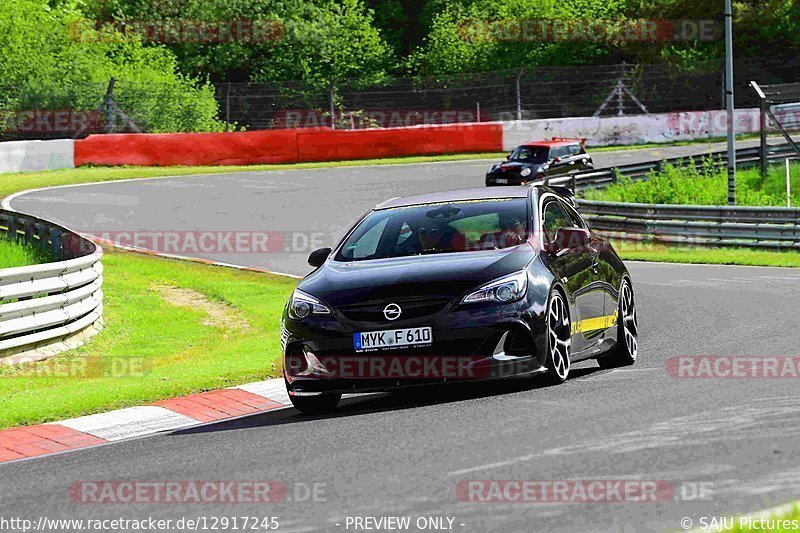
(41, 305)
(285, 146)
(746, 227)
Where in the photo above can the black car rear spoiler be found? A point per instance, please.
(566, 193)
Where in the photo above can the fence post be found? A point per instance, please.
(762, 111)
(573, 183)
(108, 102)
(519, 93)
(331, 97)
(228, 107)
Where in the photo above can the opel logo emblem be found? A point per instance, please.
(392, 312)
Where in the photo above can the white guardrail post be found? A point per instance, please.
(45, 305)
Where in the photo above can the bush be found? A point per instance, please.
(706, 185)
(53, 59)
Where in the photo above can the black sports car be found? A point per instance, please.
(537, 161)
(457, 285)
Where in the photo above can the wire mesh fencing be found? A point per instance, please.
(512, 94)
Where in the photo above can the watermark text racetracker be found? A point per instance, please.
(214, 241)
(580, 491)
(734, 367)
(172, 492)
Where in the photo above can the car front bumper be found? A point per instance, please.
(470, 344)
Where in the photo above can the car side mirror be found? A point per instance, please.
(576, 239)
(508, 156)
(318, 257)
(556, 160)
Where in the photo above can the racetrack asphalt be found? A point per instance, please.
(306, 208)
(723, 445)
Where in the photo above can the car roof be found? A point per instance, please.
(456, 195)
(559, 142)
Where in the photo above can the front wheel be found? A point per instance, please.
(627, 347)
(316, 405)
(559, 339)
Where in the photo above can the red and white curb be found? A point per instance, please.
(166, 415)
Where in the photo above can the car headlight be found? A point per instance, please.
(503, 290)
(302, 305)
(525, 172)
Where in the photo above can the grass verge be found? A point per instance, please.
(11, 183)
(710, 256)
(171, 328)
(775, 524)
(707, 185)
(14, 254)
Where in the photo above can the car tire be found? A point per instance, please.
(316, 405)
(558, 343)
(625, 351)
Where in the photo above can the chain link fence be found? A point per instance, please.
(523, 93)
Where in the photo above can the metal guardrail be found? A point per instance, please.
(601, 178)
(749, 227)
(44, 304)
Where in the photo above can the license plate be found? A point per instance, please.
(501, 181)
(392, 338)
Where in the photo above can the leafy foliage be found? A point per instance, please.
(313, 41)
(705, 185)
(51, 58)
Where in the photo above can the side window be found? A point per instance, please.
(577, 221)
(554, 216)
(575, 149)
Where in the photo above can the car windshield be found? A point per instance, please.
(529, 154)
(438, 228)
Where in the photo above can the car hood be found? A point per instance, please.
(437, 275)
(514, 166)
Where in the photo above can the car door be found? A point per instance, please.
(579, 273)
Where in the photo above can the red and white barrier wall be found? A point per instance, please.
(32, 156)
(286, 146)
(633, 129)
(323, 144)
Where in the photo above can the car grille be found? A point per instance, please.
(417, 308)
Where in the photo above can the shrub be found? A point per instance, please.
(53, 59)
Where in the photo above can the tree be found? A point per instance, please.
(312, 41)
(51, 58)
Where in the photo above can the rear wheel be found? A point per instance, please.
(627, 347)
(316, 405)
(559, 341)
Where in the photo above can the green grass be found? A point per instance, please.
(152, 349)
(744, 526)
(705, 186)
(13, 254)
(11, 183)
(710, 140)
(711, 256)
